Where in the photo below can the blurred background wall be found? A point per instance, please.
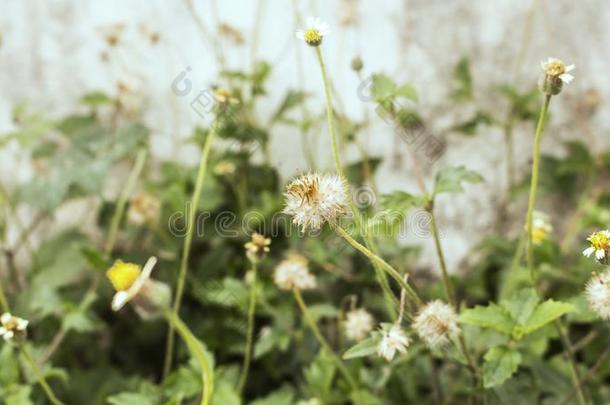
(53, 51)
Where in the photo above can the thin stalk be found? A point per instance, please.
(534, 186)
(567, 344)
(198, 353)
(250, 334)
(3, 300)
(441, 258)
(382, 263)
(122, 201)
(510, 158)
(368, 240)
(190, 227)
(316, 331)
(40, 377)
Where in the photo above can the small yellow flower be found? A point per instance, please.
(541, 228)
(600, 245)
(314, 33)
(122, 275)
(556, 74)
(12, 326)
(224, 167)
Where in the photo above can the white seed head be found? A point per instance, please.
(393, 340)
(597, 292)
(293, 272)
(313, 199)
(358, 323)
(144, 208)
(436, 323)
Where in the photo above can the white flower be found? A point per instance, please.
(541, 227)
(313, 200)
(257, 247)
(436, 323)
(597, 292)
(12, 326)
(600, 245)
(554, 67)
(293, 272)
(314, 32)
(394, 340)
(358, 324)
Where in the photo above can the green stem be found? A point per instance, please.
(122, 201)
(534, 186)
(441, 258)
(40, 377)
(250, 334)
(316, 331)
(198, 353)
(3, 300)
(382, 263)
(567, 344)
(190, 227)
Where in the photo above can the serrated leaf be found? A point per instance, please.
(364, 348)
(546, 312)
(500, 364)
(133, 398)
(401, 201)
(521, 304)
(450, 179)
(292, 99)
(282, 396)
(490, 317)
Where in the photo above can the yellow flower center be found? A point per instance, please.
(313, 37)
(555, 68)
(122, 275)
(539, 235)
(11, 325)
(600, 241)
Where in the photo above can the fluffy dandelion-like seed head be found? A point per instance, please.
(144, 208)
(314, 199)
(556, 74)
(600, 245)
(12, 326)
(394, 340)
(358, 323)
(314, 33)
(293, 272)
(597, 292)
(257, 247)
(436, 323)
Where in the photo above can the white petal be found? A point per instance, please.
(588, 251)
(6, 317)
(566, 78)
(543, 65)
(8, 335)
(300, 34)
(311, 21)
(569, 68)
(2, 330)
(119, 300)
(600, 254)
(22, 324)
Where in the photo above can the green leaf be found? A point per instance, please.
(95, 99)
(283, 396)
(463, 81)
(18, 395)
(545, 313)
(407, 90)
(364, 348)
(449, 179)
(521, 304)
(133, 398)
(401, 201)
(500, 364)
(292, 99)
(319, 375)
(490, 317)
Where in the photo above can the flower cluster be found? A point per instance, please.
(313, 199)
(600, 245)
(293, 272)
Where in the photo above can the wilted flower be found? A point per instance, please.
(313, 199)
(224, 96)
(144, 208)
(257, 247)
(112, 33)
(133, 283)
(358, 323)
(393, 340)
(436, 323)
(315, 31)
(597, 292)
(600, 245)
(224, 167)
(293, 272)
(12, 326)
(556, 73)
(541, 227)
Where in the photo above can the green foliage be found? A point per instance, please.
(450, 179)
